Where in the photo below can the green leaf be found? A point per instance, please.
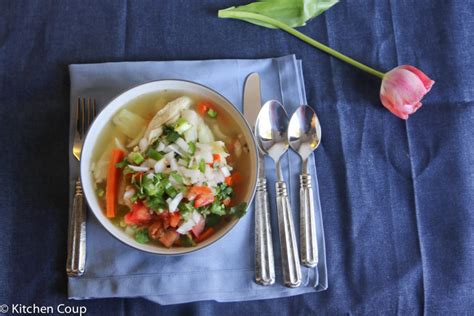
(217, 208)
(294, 13)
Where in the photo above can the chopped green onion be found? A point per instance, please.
(127, 170)
(202, 166)
(171, 135)
(122, 164)
(142, 236)
(182, 126)
(136, 157)
(177, 177)
(153, 154)
(187, 240)
(211, 113)
(192, 147)
(100, 191)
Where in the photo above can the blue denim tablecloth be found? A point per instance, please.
(397, 196)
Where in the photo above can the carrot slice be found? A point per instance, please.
(228, 181)
(202, 108)
(113, 175)
(206, 234)
(216, 157)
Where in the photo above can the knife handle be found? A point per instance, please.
(76, 250)
(308, 240)
(264, 260)
(289, 252)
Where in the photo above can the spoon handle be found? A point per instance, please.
(309, 245)
(289, 251)
(264, 261)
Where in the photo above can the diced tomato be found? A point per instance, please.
(216, 157)
(203, 107)
(226, 202)
(196, 190)
(230, 147)
(203, 200)
(168, 238)
(206, 234)
(234, 178)
(174, 219)
(199, 227)
(138, 215)
(156, 230)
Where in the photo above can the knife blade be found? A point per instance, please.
(264, 260)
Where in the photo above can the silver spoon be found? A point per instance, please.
(272, 136)
(304, 135)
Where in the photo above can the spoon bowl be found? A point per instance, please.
(304, 132)
(271, 129)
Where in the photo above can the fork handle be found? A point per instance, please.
(289, 251)
(76, 247)
(264, 260)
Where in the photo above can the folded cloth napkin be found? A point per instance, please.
(225, 270)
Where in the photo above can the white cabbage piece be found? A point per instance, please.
(192, 117)
(102, 165)
(129, 123)
(205, 134)
(139, 136)
(191, 135)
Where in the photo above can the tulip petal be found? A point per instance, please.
(404, 87)
(427, 82)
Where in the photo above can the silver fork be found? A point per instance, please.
(86, 111)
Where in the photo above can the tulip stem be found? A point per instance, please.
(301, 36)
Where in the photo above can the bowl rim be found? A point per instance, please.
(83, 165)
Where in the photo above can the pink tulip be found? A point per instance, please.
(402, 90)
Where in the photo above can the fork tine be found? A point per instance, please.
(83, 116)
(89, 114)
(94, 110)
(78, 119)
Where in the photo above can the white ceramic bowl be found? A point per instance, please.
(105, 116)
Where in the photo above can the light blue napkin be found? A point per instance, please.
(225, 270)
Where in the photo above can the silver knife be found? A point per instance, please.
(264, 261)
